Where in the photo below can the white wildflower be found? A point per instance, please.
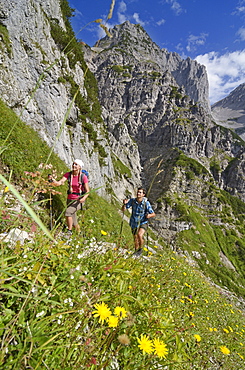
(39, 314)
(78, 325)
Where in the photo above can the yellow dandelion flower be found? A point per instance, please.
(112, 321)
(230, 328)
(145, 344)
(160, 348)
(120, 312)
(215, 329)
(197, 337)
(240, 356)
(211, 329)
(102, 311)
(225, 350)
(226, 330)
(6, 189)
(103, 232)
(155, 246)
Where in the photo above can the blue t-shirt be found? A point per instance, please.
(139, 211)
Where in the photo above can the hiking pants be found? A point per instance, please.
(71, 211)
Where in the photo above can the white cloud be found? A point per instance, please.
(121, 12)
(175, 6)
(241, 33)
(137, 19)
(225, 72)
(194, 41)
(162, 21)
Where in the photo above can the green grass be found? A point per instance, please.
(49, 292)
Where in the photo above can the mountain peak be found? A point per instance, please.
(229, 112)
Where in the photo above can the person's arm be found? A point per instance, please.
(125, 201)
(150, 213)
(84, 197)
(60, 182)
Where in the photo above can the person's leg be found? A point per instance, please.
(71, 217)
(140, 239)
(136, 242)
(69, 222)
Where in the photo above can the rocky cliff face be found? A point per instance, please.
(229, 112)
(38, 81)
(161, 101)
(153, 126)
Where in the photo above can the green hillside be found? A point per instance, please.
(86, 302)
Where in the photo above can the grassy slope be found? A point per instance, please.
(49, 291)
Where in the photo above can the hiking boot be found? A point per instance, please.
(68, 234)
(138, 252)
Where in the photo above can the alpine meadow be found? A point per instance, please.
(135, 115)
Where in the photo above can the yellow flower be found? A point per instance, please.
(226, 330)
(225, 350)
(160, 348)
(120, 312)
(145, 344)
(102, 311)
(6, 189)
(240, 356)
(112, 321)
(103, 232)
(197, 337)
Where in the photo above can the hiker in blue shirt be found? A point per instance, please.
(141, 212)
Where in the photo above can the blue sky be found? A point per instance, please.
(210, 31)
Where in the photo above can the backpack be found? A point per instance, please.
(82, 173)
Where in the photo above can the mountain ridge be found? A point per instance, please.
(229, 112)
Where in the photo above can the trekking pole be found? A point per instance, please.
(50, 209)
(121, 229)
(50, 203)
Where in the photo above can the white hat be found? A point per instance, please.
(79, 162)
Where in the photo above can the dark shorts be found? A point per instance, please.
(136, 229)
